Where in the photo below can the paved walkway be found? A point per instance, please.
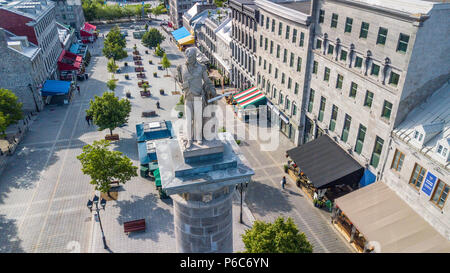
(267, 200)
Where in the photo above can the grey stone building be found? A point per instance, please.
(417, 166)
(21, 69)
(283, 42)
(245, 18)
(70, 13)
(179, 7)
(36, 20)
(371, 65)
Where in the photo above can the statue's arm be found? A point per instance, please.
(208, 83)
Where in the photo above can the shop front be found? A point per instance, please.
(57, 92)
(248, 102)
(70, 65)
(376, 219)
(88, 33)
(323, 170)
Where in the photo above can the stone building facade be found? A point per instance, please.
(21, 69)
(283, 39)
(368, 70)
(36, 20)
(417, 166)
(245, 18)
(178, 8)
(70, 13)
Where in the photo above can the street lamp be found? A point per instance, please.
(103, 204)
(241, 190)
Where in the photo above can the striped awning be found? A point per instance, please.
(251, 96)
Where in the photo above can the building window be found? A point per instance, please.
(260, 40)
(302, 39)
(440, 194)
(294, 109)
(294, 35)
(266, 42)
(280, 99)
(393, 79)
(283, 76)
(265, 64)
(326, 75)
(280, 28)
(368, 99)
(346, 128)
(311, 100)
(382, 34)
(322, 108)
(296, 88)
(358, 62)
(291, 60)
(273, 25)
(360, 139)
(278, 51)
(334, 113)
(288, 29)
(375, 70)
(334, 20)
(343, 55)
(259, 60)
(348, 25)
(330, 49)
(387, 109)
(403, 40)
(364, 30)
(276, 73)
(318, 44)
(397, 162)
(321, 16)
(284, 55)
(375, 159)
(270, 68)
(353, 90)
(288, 104)
(274, 93)
(417, 176)
(289, 83)
(315, 67)
(339, 81)
(299, 64)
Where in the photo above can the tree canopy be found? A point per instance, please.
(108, 112)
(152, 38)
(114, 44)
(2, 124)
(99, 10)
(165, 62)
(111, 84)
(159, 51)
(278, 237)
(158, 10)
(10, 107)
(105, 166)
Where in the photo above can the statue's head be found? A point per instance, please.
(191, 55)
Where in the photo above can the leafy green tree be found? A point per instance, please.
(166, 63)
(277, 237)
(10, 107)
(159, 51)
(112, 67)
(114, 45)
(108, 112)
(111, 84)
(158, 10)
(2, 124)
(152, 38)
(145, 86)
(105, 166)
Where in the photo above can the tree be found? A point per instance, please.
(112, 67)
(105, 166)
(108, 112)
(152, 38)
(158, 10)
(10, 107)
(166, 63)
(111, 84)
(2, 124)
(277, 237)
(114, 44)
(159, 51)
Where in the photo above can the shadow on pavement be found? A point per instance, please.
(9, 241)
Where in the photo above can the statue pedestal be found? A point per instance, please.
(201, 181)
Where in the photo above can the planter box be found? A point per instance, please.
(145, 93)
(128, 95)
(112, 137)
(161, 92)
(148, 114)
(127, 77)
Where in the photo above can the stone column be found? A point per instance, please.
(203, 221)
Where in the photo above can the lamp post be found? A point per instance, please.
(103, 204)
(241, 190)
(32, 94)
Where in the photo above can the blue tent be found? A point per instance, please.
(54, 88)
(158, 133)
(180, 33)
(367, 179)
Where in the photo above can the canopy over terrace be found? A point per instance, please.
(381, 216)
(326, 164)
(69, 61)
(251, 96)
(183, 36)
(54, 88)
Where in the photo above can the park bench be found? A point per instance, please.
(136, 225)
(136, 52)
(148, 113)
(141, 75)
(136, 58)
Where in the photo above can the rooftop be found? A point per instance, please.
(21, 44)
(301, 6)
(30, 9)
(407, 6)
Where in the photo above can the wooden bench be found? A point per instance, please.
(136, 225)
(148, 114)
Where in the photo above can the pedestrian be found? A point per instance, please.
(283, 182)
(157, 104)
(78, 89)
(88, 118)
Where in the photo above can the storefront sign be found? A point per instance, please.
(428, 185)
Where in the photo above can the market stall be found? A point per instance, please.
(88, 33)
(57, 92)
(246, 103)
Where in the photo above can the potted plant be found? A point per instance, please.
(150, 62)
(161, 91)
(180, 114)
(155, 74)
(126, 64)
(128, 94)
(286, 168)
(127, 76)
(238, 142)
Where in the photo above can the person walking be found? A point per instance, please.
(157, 105)
(78, 89)
(283, 182)
(88, 118)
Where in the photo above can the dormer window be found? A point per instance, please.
(416, 134)
(439, 149)
(442, 151)
(420, 137)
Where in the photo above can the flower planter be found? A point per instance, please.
(155, 74)
(127, 77)
(161, 91)
(112, 137)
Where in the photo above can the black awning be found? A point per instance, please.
(326, 164)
